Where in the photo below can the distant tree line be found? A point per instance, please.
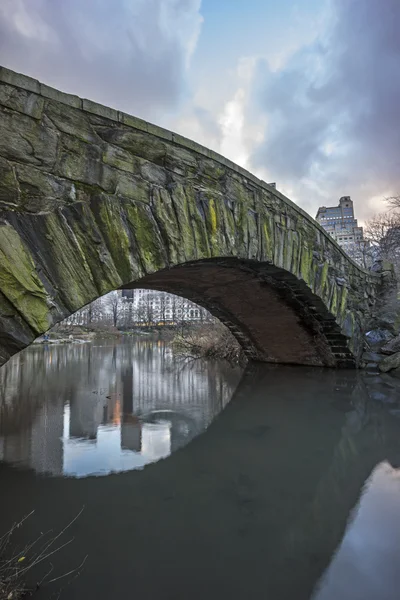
(152, 309)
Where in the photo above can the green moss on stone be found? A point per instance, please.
(198, 224)
(119, 158)
(149, 243)
(113, 229)
(343, 302)
(334, 301)
(305, 265)
(8, 184)
(214, 223)
(163, 208)
(279, 245)
(213, 216)
(95, 253)
(323, 280)
(253, 235)
(187, 243)
(74, 278)
(287, 249)
(267, 248)
(19, 281)
(294, 267)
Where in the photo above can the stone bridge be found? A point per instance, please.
(92, 199)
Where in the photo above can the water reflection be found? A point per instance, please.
(291, 493)
(366, 564)
(94, 409)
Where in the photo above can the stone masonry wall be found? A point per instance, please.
(92, 199)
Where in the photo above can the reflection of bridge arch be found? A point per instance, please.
(260, 501)
(94, 200)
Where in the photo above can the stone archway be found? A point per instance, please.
(92, 200)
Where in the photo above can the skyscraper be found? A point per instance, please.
(341, 224)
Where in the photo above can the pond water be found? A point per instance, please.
(93, 409)
(200, 481)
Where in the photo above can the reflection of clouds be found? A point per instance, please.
(156, 441)
(105, 455)
(364, 567)
(82, 458)
(73, 392)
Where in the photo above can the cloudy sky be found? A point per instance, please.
(305, 93)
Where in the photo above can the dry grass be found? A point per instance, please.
(16, 564)
(213, 340)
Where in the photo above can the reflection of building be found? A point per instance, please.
(47, 446)
(16, 448)
(86, 414)
(40, 446)
(156, 441)
(131, 398)
(131, 433)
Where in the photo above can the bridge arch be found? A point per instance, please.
(93, 200)
(272, 314)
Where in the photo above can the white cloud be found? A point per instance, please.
(129, 54)
(316, 112)
(333, 109)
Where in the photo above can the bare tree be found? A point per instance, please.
(146, 312)
(150, 308)
(383, 232)
(114, 305)
(363, 252)
(141, 312)
(393, 201)
(176, 308)
(94, 312)
(163, 301)
(126, 313)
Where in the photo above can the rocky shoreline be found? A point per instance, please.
(383, 352)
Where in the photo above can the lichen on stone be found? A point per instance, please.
(20, 282)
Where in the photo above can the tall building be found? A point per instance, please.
(340, 222)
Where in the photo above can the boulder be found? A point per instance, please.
(390, 362)
(392, 346)
(378, 337)
(372, 357)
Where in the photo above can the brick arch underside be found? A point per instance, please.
(274, 316)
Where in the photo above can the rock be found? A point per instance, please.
(384, 397)
(374, 379)
(26, 141)
(8, 184)
(392, 346)
(390, 362)
(391, 382)
(372, 367)
(22, 101)
(377, 337)
(372, 357)
(377, 396)
(340, 281)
